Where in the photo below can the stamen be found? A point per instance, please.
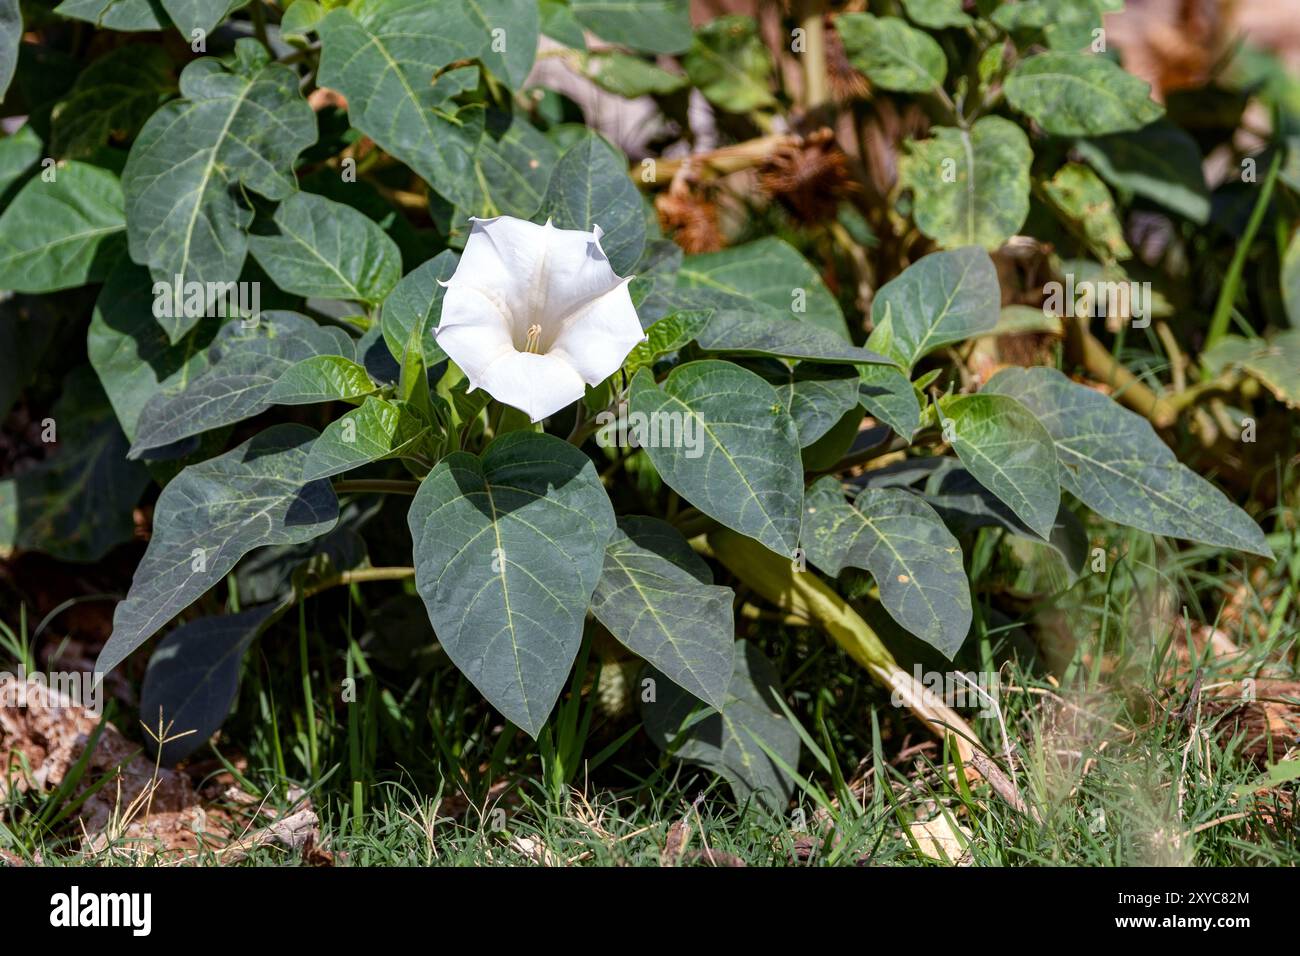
(534, 338)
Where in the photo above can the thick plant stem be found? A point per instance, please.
(804, 594)
(814, 55)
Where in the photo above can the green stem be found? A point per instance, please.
(382, 486)
(1232, 281)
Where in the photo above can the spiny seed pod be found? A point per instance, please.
(808, 176)
(846, 83)
(690, 217)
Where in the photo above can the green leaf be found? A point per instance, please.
(630, 76)
(1275, 362)
(667, 335)
(125, 15)
(130, 351)
(300, 18)
(942, 298)
(817, 396)
(321, 378)
(11, 38)
(731, 742)
(936, 14)
(244, 364)
(969, 187)
(387, 68)
(767, 278)
(111, 100)
(889, 396)
(559, 23)
(1160, 162)
(327, 250)
(1078, 94)
(378, 430)
(75, 505)
(658, 599)
(510, 174)
(757, 335)
(730, 65)
(1061, 24)
(186, 172)
(737, 450)
(1080, 197)
(893, 55)
(61, 234)
(898, 538)
(965, 504)
(211, 515)
(590, 187)
(199, 15)
(19, 154)
(656, 26)
(414, 307)
(508, 550)
(1005, 448)
(1113, 461)
(192, 679)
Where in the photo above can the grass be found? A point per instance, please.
(1107, 709)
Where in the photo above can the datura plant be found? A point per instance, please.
(637, 382)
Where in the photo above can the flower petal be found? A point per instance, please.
(537, 384)
(597, 338)
(474, 329)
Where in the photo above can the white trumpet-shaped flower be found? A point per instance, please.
(533, 314)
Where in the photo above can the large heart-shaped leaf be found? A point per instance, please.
(211, 515)
(243, 366)
(192, 680)
(62, 234)
(1003, 445)
(508, 549)
(231, 130)
(1113, 461)
(511, 173)
(738, 741)
(943, 298)
(969, 187)
(724, 441)
(658, 599)
(327, 250)
(590, 187)
(415, 307)
(1079, 94)
(898, 538)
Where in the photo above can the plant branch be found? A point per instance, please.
(382, 486)
(1232, 281)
